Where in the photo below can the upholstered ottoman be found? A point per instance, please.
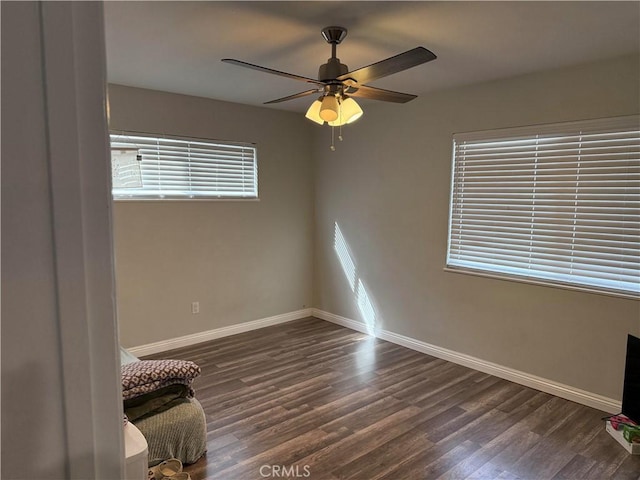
(179, 432)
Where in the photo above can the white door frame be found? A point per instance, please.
(67, 255)
(80, 173)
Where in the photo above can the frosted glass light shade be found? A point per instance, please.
(313, 113)
(350, 111)
(336, 123)
(329, 108)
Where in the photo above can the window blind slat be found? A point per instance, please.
(187, 168)
(555, 202)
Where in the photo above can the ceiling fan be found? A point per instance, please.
(337, 85)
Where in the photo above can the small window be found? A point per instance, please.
(146, 167)
(553, 203)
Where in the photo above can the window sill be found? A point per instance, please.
(169, 199)
(543, 283)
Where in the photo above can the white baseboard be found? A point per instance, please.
(173, 343)
(549, 386)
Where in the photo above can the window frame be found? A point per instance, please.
(602, 124)
(174, 197)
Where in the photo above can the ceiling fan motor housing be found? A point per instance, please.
(331, 70)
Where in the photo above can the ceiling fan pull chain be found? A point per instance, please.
(341, 122)
(333, 146)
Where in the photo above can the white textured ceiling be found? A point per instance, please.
(177, 46)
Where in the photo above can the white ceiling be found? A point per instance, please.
(177, 46)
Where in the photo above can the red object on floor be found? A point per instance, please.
(618, 421)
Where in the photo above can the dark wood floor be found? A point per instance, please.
(322, 402)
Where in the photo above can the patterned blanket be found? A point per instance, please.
(147, 376)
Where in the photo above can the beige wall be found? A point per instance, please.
(242, 260)
(387, 186)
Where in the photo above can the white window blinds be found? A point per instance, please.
(558, 203)
(176, 168)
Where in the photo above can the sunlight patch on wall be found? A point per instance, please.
(366, 308)
(346, 262)
(357, 286)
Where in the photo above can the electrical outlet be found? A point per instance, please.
(195, 307)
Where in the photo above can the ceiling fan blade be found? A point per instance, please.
(389, 66)
(373, 93)
(294, 96)
(270, 70)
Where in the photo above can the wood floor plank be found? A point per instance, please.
(383, 459)
(361, 442)
(317, 418)
(577, 467)
(285, 453)
(432, 463)
(546, 458)
(351, 407)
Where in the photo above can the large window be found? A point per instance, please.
(555, 203)
(153, 167)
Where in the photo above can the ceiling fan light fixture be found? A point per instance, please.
(329, 108)
(313, 113)
(350, 110)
